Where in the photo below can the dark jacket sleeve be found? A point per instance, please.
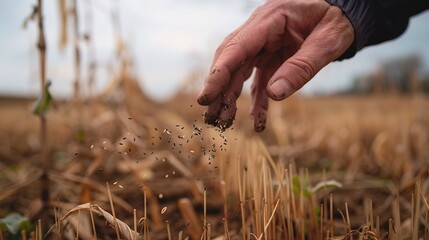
(377, 21)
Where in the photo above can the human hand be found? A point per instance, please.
(288, 42)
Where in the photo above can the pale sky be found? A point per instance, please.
(167, 40)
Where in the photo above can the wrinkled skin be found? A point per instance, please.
(288, 42)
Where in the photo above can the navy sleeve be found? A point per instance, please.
(377, 21)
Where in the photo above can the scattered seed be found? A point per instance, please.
(163, 210)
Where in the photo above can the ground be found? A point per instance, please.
(367, 153)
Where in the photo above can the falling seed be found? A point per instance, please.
(104, 142)
(160, 196)
(115, 183)
(120, 186)
(192, 151)
(92, 146)
(174, 172)
(166, 175)
(163, 210)
(124, 138)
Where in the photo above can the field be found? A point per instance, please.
(114, 164)
(337, 167)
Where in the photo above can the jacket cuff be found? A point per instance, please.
(361, 14)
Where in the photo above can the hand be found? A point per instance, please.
(288, 42)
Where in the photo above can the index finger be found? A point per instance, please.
(242, 47)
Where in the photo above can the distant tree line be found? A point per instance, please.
(402, 76)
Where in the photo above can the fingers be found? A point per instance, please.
(259, 106)
(221, 112)
(212, 113)
(327, 42)
(267, 65)
(241, 48)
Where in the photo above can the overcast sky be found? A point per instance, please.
(167, 39)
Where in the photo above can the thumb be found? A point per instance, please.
(290, 77)
(324, 45)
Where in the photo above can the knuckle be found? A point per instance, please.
(305, 69)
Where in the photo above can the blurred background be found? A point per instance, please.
(169, 44)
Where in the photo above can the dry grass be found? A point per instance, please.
(120, 166)
(257, 186)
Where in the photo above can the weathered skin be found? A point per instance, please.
(288, 42)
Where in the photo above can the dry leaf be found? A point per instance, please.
(124, 229)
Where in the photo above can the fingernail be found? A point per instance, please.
(281, 89)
